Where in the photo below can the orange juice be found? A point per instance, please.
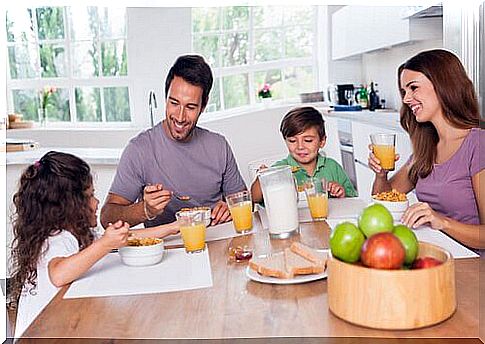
(193, 237)
(242, 217)
(318, 205)
(386, 154)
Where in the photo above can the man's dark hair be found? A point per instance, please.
(194, 70)
(300, 119)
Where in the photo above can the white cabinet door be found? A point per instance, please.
(332, 147)
(365, 179)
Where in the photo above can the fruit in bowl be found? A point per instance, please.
(375, 219)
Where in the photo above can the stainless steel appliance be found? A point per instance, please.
(347, 149)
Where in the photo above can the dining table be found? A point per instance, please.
(237, 308)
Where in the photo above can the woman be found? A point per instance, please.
(440, 113)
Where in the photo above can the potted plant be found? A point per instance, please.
(265, 92)
(45, 96)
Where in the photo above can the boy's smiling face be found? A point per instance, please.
(304, 146)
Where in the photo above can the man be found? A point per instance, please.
(175, 157)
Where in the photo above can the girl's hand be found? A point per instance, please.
(421, 213)
(375, 164)
(336, 190)
(115, 235)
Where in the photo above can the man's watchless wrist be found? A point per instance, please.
(147, 213)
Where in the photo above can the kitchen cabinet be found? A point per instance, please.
(361, 29)
(332, 147)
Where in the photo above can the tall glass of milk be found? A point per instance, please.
(280, 201)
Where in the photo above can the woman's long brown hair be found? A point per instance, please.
(51, 197)
(456, 96)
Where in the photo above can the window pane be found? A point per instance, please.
(116, 104)
(214, 103)
(268, 16)
(52, 60)
(22, 61)
(267, 45)
(50, 21)
(27, 103)
(272, 78)
(112, 22)
(205, 19)
(235, 49)
(85, 59)
(57, 109)
(208, 46)
(298, 42)
(298, 15)
(113, 56)
(20, 26)
(298, 80)
(235, 89)
(88, 104)
(84, 22)
(235, 18)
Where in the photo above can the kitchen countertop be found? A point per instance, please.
(93, 156)
(388, 120)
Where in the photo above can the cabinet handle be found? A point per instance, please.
(361, 163)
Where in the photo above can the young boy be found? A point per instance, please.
(303, 130)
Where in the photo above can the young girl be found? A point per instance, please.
(53, 242)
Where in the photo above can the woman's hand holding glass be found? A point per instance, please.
(375, 164)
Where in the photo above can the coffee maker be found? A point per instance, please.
(341, 93)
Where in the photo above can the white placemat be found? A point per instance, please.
(218, 232)
(177, 271)
(338, 208)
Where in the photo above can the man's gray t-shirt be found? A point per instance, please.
(203, 168)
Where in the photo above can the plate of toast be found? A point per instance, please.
(296, 264)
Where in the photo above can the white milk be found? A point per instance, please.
(281, 207)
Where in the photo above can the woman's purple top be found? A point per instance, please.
(448, 188)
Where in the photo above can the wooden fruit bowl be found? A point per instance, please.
(393, 299)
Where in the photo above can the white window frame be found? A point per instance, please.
(220, 71)
(69, 82)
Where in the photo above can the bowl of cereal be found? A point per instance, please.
(142, 252)
(396, 202)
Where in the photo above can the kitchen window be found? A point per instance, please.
(248, 47)
(79, 51)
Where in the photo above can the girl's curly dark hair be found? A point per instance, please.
(51, 197)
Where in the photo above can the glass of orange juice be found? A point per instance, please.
(317, 198)
(240, 206)
(383, 146)
(192, 228)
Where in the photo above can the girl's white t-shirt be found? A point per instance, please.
(63, 244)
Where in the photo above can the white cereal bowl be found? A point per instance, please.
(142, 255)
(396, 209)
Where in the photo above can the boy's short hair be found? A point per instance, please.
(300, 119)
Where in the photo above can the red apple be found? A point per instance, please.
(383, 251)
(426, 262)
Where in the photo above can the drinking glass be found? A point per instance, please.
(383, 146)
(349, 95)
(317, 198)
(192, 227)
(240, 206)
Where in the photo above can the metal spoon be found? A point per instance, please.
(182, 198)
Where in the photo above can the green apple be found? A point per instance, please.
(375, 219)
(346, 240)
(409, 241)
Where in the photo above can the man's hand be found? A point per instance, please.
(220, 213)
(156, 199)
(336, 190)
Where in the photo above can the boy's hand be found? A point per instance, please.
(336, 190)
(156, 199)
(220, 213)
(115, 235)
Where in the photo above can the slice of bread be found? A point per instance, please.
(272, 265)
(298, 265)
(298, 259)
(318, 258)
